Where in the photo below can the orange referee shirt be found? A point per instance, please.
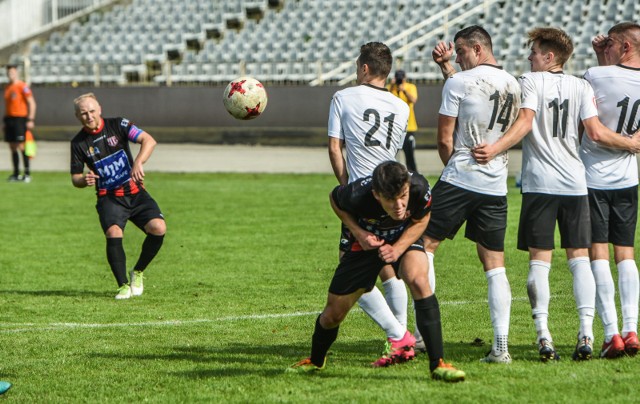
(15, 99)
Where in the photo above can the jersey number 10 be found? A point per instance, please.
(624, 104)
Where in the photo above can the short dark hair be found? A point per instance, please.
(389, 178)
(11, 66)
(629, 31)
(378, 57)
(475, 34)
(553, 40)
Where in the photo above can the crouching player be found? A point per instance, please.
(386, 214)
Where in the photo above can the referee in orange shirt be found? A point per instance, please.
(20, 112)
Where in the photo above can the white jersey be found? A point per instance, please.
(485, 100)
(550, 157)
(617, 91)
(372, 122)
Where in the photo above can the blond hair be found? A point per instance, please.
(77, 100)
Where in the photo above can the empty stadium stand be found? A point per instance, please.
(188, 42)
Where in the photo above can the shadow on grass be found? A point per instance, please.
(270, 361)
(49, 293)
(477, 349)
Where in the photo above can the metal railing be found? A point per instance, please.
(403, 36)
(23, 19)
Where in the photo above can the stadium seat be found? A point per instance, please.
(305, 37)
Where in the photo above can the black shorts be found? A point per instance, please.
(486, 215)
(139, 208)
(359, 269)
(15, 129)
(614, 214)
(538, 221)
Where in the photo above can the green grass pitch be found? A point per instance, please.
(231, 300)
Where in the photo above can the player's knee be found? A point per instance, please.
(331, 318)
(114, 232)
(418, 282)
(156, 227)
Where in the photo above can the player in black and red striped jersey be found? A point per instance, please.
(386, 214)
(103, 146)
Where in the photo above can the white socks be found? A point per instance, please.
(499, 293)
(628, 286)
(584, 291)
(374, 304)
(432, 272)
(395, 292)
(605, 297)
(539, 296)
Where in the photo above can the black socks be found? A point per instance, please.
(117, 260)
(321, 342)
(430, 326)
(150, 248)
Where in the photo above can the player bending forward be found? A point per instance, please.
(386, 214)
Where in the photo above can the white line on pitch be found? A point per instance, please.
(60, 326)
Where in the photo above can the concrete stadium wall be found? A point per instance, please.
(195, 114)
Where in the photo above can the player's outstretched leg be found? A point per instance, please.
(320, 343)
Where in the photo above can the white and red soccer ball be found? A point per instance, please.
(245, 98)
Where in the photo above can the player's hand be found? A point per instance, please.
(635, 143)
(368, 241)
(30, 125)
(483, 153)
(388, 253)
(91, 178)
(442, 52)
(137, 173)
(599, 43)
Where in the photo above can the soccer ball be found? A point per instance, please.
(245, 98)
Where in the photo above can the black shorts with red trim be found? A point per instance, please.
(139, 208)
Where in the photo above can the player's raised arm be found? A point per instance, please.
(442, 54)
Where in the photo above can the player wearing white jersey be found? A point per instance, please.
(612, 181)
(371, 124)
(478, 105)
(553, 180)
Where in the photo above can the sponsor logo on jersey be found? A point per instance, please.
(114, 170)
(98, 139)
(112, 141)
(92, 151)
(124, 123)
